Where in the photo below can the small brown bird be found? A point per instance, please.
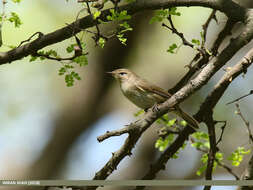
(144, 94)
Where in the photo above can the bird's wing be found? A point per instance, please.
(146, 86)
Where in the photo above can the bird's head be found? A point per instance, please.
(122, 75)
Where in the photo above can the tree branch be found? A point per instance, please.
(231, 9)
(208, 119)
(247, 124)
(204, 60)
(209, 104)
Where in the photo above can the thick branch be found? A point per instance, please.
(231, 9)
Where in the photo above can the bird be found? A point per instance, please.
(145, 95)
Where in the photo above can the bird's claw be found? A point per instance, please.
(155, 108)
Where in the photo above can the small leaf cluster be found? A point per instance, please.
(172, 48)
(138, 113)
(68, 69)
(13, 18)
(197, 44)
(16, 1)
(163, 143)
(70, 77)
(50, 52)
(237, 156)
(124, 27)
(101, 42)
(201, 140)
(118, 16)
(96, 15)
(204, 159)
(162, 14)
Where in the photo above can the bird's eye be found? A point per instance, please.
(122, 73)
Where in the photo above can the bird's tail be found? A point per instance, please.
(189, 119)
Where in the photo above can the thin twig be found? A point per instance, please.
(40, 34)
(205, 26)
(181, 35)
(236, 100)
(97, 36)
(222, 130)
(58, 58)
(226, 31)
(247, 124)
(118, 132)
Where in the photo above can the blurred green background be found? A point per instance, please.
(48, 130)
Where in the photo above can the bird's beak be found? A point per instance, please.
(111, 73)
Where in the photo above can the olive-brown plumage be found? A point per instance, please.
(144, 94)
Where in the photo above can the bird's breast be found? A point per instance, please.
(140, 98)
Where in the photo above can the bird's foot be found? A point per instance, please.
(155, 108)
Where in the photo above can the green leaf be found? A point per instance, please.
(96, 15)
(219, 156)
(183, 123)
(139, 113)
(200, 136)
(171, 122)
(122, 39)
(159, 15)
(101, 42)
(118, 16)
(16, 1)
(172, 48)
(162, 14)
(62, 71)
(237, 156)
(70, 48)
(162, 144)
(196, 42)
(81, 60)
(201, 170)
(201, 140)
(125, 27)
(33, 58)
(15, 19)
(173, 11)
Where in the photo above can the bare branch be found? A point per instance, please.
(226, 31)
(118, 132)
(205, 26)
(237, 99)
(222, 130)
(247, 124)
(29, 39)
